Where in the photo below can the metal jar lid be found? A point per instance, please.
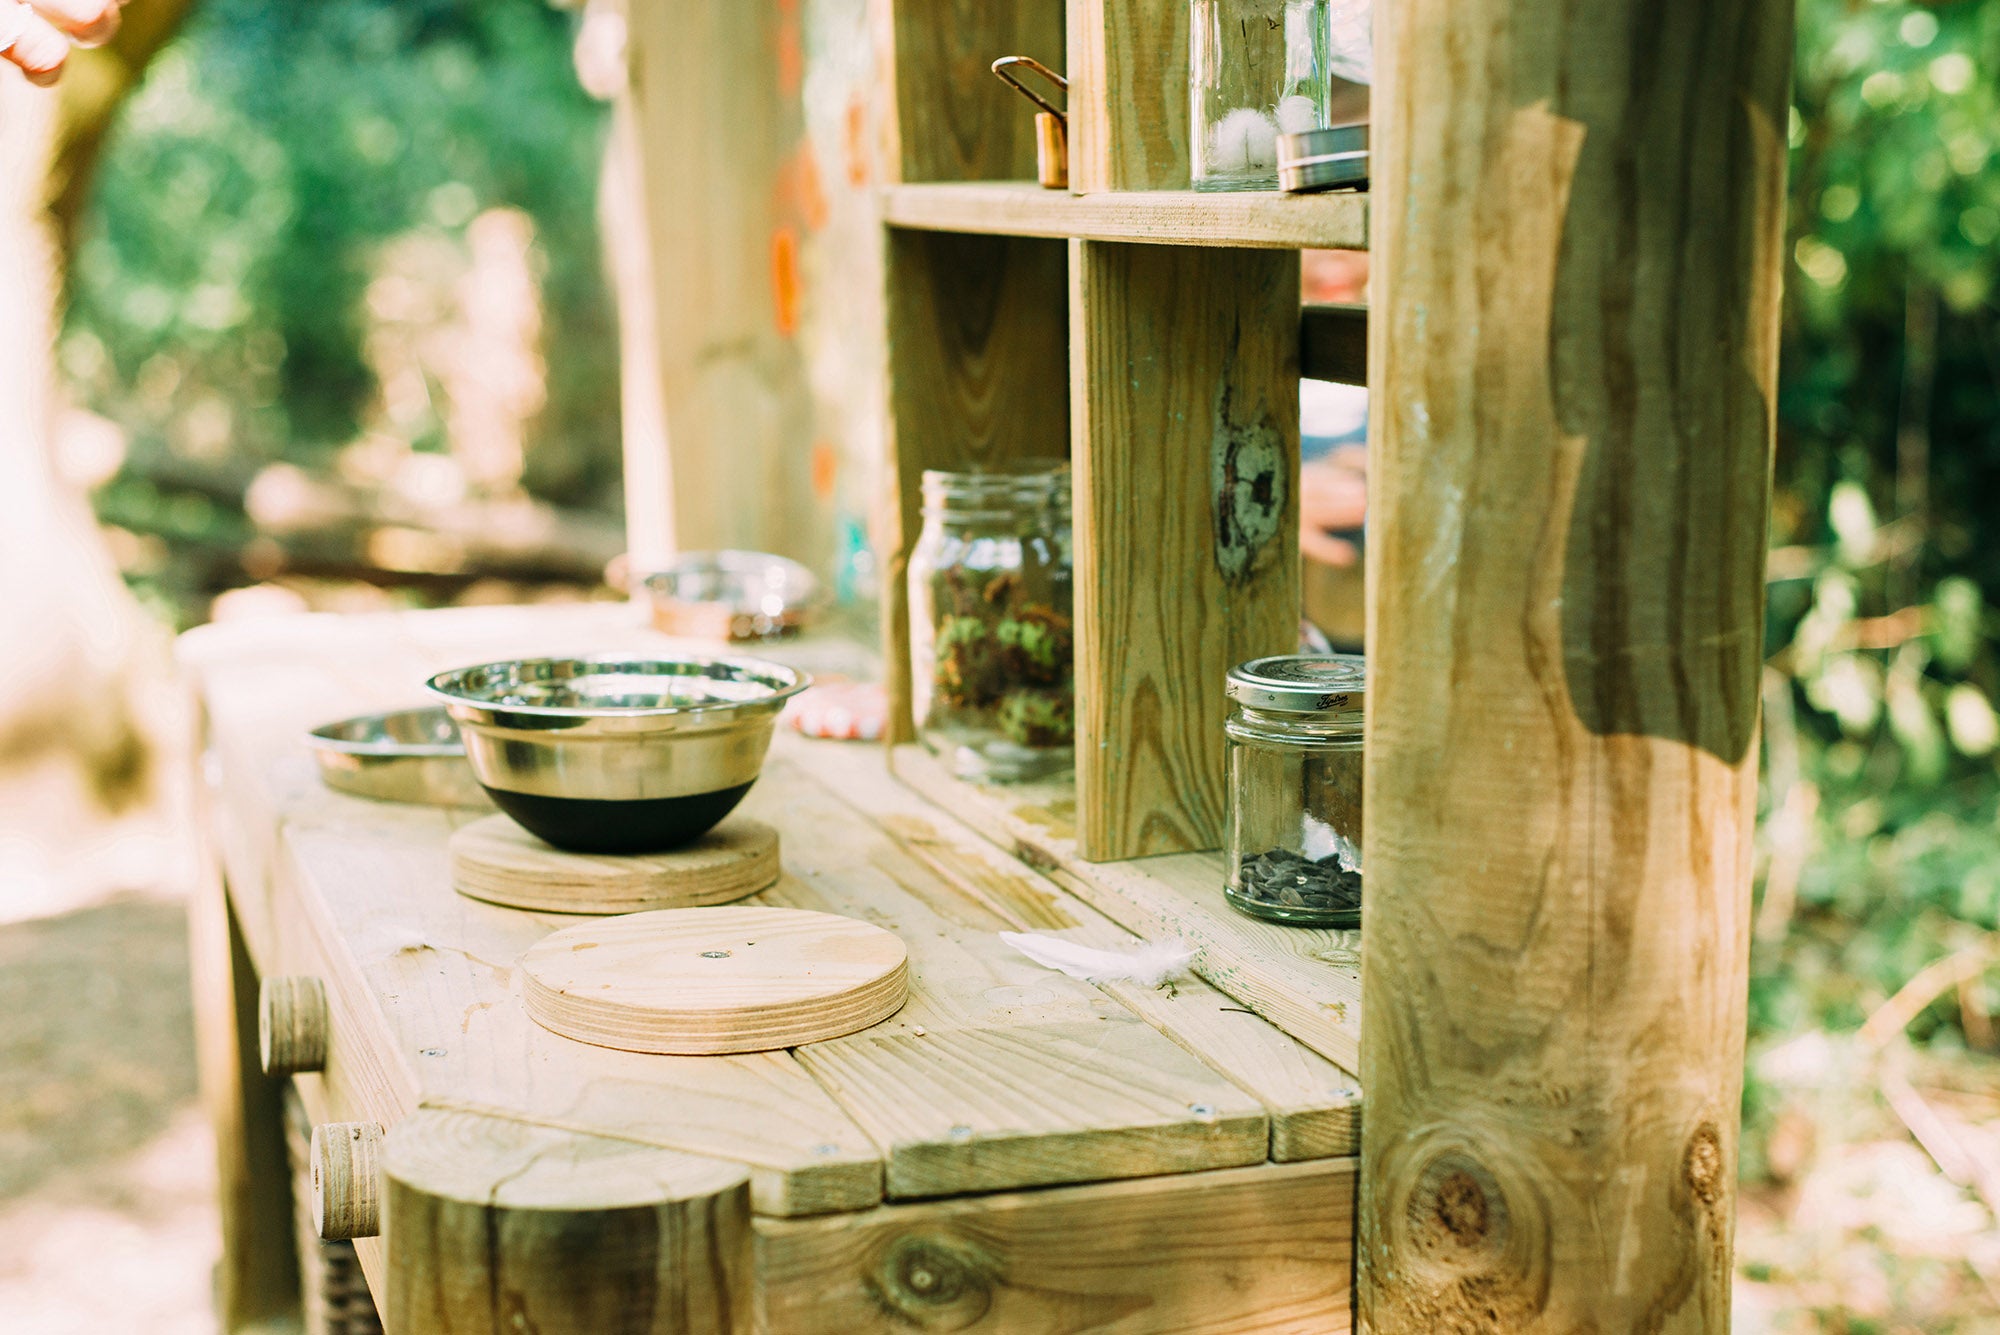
(1301, 683)
(1324, 159)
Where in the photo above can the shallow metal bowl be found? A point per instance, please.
(613, 754)
(407, 755)
(733, 595)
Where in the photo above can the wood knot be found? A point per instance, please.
(1457, 1204)
(934, 1283)
(1702, 1165)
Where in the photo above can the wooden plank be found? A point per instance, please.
(716, 130)
(1250, 219)
(1185, 427)
(1333, 344)
(1128, 94)
(996, 1073)
(977, 368)
(1573, 406)
(1266, 1250)
(1306, 981)
(951, 119)
(494, 1225)
(1313, 1106)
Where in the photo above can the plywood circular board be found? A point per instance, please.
(709, 980)
(498, 861)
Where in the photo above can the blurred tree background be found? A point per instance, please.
(324, 250)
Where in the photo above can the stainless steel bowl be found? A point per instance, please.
(733, 595)
(612, 754)
(409, 755)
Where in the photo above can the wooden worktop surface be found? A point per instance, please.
(997, 1075)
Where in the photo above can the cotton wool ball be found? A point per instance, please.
(1296, 115)
(1242, 140)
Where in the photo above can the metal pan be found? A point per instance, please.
(408, 755)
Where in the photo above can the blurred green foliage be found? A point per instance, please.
(216, 300)
(1882, 629)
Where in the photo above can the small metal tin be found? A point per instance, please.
(408, 755)
(1329, 159)
(1301, 683)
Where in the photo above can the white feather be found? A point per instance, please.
(1149, 964)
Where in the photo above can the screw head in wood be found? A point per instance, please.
(291, 1025)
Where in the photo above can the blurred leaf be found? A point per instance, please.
(1910, 716)
(1969, 717)
(1959, 611)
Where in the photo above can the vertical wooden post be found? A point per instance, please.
(1128, 95)
(1185, 435)
(1577, 268)
(717, 125)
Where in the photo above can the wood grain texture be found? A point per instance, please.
(498, 861)
(496, 1225)
(1306, 981)
(744, 978)
(1184, 377)
(1573, 366)
(998, 1073)
(951, 119)
(1262, 1250)
(1251, 219)
(977, 373)
(346, 1180)
(715, 132)
(1128, 95)
(291, 1025)
(1314, 1107)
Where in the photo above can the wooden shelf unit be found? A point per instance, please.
(1150, 333)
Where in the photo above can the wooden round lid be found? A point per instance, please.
(498, 861)
(710, 980)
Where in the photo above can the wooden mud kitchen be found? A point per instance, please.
(1575, 225)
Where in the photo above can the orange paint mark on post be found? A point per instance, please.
(785, 281)
(859, 169)
(791, 52)
(825, 468)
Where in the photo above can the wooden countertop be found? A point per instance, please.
(998, 1074)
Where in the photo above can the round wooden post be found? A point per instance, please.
(500, 1225)
(1578, 230)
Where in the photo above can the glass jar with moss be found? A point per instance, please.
(990, 634)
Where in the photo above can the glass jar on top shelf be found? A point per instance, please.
(1256, 69)
(990, 633)
(1293, 741)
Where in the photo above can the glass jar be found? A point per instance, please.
(1294, 756)
(1256, 69)
(990, 633)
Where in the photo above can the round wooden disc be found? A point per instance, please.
(498, 861)
(742, 979)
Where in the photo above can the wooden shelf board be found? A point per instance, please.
(1305, 981)
(1250, 219)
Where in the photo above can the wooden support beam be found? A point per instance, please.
(1333, 344)
(718, 125)
(1577, 282)
(1128, 95)
(1185, 439)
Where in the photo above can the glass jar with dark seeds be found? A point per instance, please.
(1294, 757)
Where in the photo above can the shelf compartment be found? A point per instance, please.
(1306, 981)
(1265, 220)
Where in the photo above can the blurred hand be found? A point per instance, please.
(38, 36)
(1333, 495)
